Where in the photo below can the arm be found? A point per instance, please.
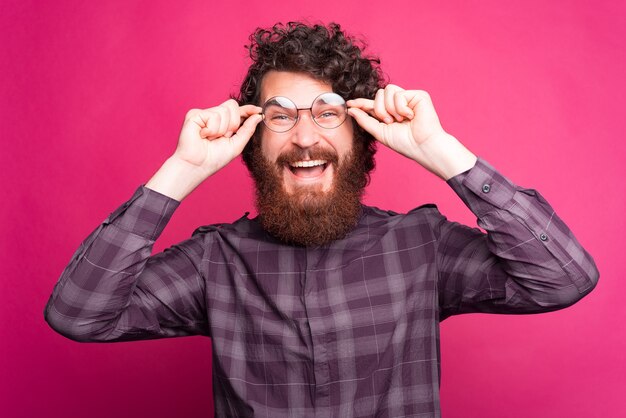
(528, 261)
(112, 289)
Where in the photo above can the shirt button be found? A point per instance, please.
(486, 188)
(543, 237)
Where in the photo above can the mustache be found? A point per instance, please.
(313, 153)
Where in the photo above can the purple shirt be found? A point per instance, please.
(350, 329)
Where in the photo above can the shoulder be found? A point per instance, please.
(427, 213)
(244, 234)
(419, 223)
(243, 227)
(383, 231)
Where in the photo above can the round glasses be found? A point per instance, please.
(328, 111)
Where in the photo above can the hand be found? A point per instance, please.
(406, 121)
(211, 138)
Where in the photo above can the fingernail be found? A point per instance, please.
(388, 119)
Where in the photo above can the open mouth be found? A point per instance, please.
(308, 169)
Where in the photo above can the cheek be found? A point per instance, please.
(344, 139)
(269, 146)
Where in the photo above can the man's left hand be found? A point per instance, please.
(406, 121)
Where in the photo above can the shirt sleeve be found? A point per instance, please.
(529, 261)
(114, 290)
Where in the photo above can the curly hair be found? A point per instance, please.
(325, 53)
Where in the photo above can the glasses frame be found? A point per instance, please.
(310, 109)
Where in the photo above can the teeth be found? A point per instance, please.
(311, 163)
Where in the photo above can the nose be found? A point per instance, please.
(306, 132)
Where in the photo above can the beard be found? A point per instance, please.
(309, 216)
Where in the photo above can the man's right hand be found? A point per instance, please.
(209, 140)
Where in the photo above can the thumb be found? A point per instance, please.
(365, 121)
(245, 131)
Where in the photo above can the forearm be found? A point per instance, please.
(104, 291)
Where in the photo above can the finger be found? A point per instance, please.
(416, 96)
(234, 120)
(390, 92)
(366, 105)
(192, 113)
(249, 110)
(245, 132)
(366, 122)
(402, 105)
(210, 124)
(224, 120)
(379, 107)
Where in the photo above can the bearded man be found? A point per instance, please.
(320, 306)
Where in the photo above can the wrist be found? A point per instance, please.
(176, 178)
(446, 156)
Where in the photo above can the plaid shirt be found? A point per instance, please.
(350, 329)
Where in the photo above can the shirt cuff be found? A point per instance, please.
(482, 188)
(146, 213)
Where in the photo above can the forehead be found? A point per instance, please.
(301, 88)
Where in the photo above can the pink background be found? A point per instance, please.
(92, 98)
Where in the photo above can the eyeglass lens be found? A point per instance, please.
(328, 110)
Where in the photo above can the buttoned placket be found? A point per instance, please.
(314, 292)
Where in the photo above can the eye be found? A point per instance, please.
(277, 117)
(281, 118)
(327, 114)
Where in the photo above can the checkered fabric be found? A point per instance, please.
(350, 329)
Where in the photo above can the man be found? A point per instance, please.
(320, 306)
